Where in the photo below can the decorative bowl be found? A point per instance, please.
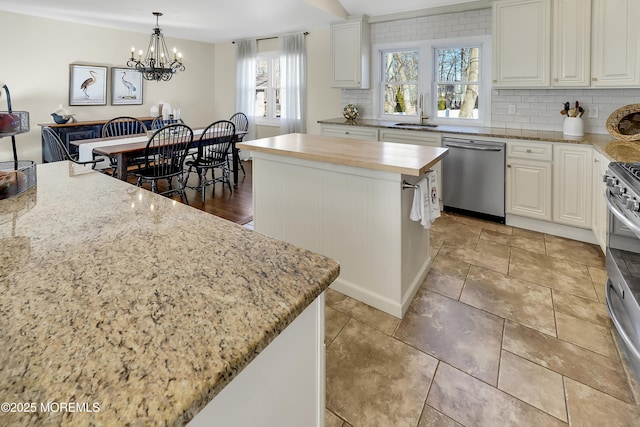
(60, 119)
(14, 181)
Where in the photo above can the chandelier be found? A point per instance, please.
(157, 64)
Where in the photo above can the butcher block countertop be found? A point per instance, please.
(414, 160)
(122, 307)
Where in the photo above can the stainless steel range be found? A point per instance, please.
(623, 257)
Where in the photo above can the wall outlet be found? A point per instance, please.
(512, 109)
(593, 112)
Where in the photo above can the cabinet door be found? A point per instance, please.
(521, 45)
(599, 213)
(529, 188)
(571, 43)
(350, 54)
(572, 171)
(615, 43)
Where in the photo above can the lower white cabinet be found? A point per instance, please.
(353, 132)
(599, 212)
(528, 188)
(572, 175)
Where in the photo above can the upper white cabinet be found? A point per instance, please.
(615, 43)
(521, 47)
(571, 47)
(350, 52)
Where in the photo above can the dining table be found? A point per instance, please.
(125, 148)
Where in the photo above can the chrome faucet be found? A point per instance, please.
(423, 117)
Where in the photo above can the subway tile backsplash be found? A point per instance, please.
(536, 109)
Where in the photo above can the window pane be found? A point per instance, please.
(262, 81)
(458, 101)
(400, 66)
(401, 99)
(458, 65)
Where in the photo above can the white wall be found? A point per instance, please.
(35, 67)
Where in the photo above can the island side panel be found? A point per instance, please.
(352, 214)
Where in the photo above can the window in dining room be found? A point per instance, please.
(268, 88)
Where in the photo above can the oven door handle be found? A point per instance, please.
(619, 214)
(616, 322)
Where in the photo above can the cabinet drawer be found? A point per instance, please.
(411, 137)
(352, 132)
(530, 150)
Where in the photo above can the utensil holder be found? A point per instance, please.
(573, 126)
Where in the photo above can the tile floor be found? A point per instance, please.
(509, 328)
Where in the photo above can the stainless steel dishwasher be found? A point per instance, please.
(473, 178)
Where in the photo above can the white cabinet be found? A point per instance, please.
(429, 139)
(528, 186)
(572, 175)
(521, 43)
(599, 212)
(350, 52)
(615, 43)
(352, 132)
(571, 43)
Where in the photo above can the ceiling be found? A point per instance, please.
(215, 21)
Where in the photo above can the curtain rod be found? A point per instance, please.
(306, 33)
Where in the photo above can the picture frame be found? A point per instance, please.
(87, 84)
(126, 86)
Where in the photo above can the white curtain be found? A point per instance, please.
(293, 83)
(246, 83)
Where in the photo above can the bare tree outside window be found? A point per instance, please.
(400, 81)
(457, 78)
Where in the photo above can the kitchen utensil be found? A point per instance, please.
(581, 111)
(566, 107)
(576, 109)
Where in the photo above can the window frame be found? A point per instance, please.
(427, 86)
(271, 119)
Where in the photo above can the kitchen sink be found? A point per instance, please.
(416, 125)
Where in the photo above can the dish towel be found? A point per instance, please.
(426, 207)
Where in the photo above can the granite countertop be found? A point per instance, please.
(133, 304)
(406, 159)
(614, 149)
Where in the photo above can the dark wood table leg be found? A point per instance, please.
(235, 163)
(123, 165)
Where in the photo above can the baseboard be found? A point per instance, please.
(566, 231)
(364, 295)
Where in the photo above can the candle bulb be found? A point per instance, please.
(151, 50)
(162, 59)
(180, 57)
(175, 51)
(133, 49)
(140, 55)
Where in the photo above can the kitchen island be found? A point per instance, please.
(344, 198)
(122, 307)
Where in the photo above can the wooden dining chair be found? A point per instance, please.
(124, 126)
(164, 159)
(159, 122)
(241, 122)
(212, 153)
(58, 151)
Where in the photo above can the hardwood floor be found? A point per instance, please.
(235, 206)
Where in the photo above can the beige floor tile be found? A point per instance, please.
(472, 402)
(514, 299)
(586, 335)
(599, 279)
(456, 333)
(331, 419)
(362, 312)
(538, 386)
(567, 359)
(461, 236)
(481, 259)
(575, 251)
(433, 418)
(515, 240)
(334, 321)
(589, 407)
(529, 234)
(443, 284)
(491, 247)
(376, 380)
(482, 224)
(552, 272)
(450, 266)
(582, 308)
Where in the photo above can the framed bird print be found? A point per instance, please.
(87, 85)
(126, 86)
